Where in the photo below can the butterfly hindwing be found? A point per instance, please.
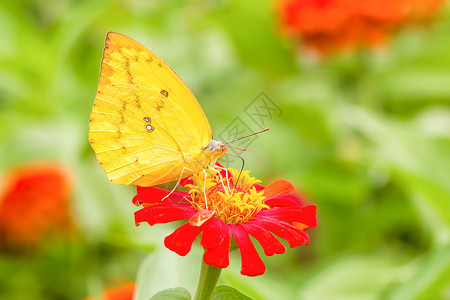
(145, 120)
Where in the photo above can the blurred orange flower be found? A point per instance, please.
(125, 292)
(329, 25)
(33, 205)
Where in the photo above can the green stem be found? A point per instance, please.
(207, 281)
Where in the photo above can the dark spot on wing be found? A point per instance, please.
(165, 93)
(127, 68)
(159, 105)
(137, 100)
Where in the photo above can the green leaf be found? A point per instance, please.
(163, 269)
(178, 293)
(225, 292)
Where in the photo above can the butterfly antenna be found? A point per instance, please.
(240, 172)
(246, 136)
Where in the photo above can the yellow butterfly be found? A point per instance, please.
(146, 127)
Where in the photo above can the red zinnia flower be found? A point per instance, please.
(233, 209)
(33, 205)
(327, 25)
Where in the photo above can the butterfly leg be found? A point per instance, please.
(221, 178)
(178, 181)
(204, 189)
(226, 172)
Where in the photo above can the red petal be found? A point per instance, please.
(200, 217)
(302, 214)
(155, 195)
(186, 181)
(163, 213)
(180, 241)
(219, 256)
(278, 187)
(219, 164)
(270, 244)
(213, 233)
(294, 236)
(300, 226)
(252, 265)
(282, 201)
(259, 187)
(225, 172)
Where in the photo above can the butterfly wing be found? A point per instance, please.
(145, 122)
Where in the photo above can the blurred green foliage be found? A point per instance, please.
(365, 135)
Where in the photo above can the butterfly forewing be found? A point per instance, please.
(145, 121)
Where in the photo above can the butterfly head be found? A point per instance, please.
(218, 149)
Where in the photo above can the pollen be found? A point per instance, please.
(234, 198)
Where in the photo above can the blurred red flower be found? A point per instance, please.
(124, 292)
(328, 25)
(235, 208)
(34, 204)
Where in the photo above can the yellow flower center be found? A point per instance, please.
(233, 203)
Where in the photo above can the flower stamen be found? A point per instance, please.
(233, 202)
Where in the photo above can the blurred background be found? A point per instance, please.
(356, 96)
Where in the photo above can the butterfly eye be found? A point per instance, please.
(147, 119)
(149, 128)
(165, 93)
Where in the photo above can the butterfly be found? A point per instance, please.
(146, 127)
